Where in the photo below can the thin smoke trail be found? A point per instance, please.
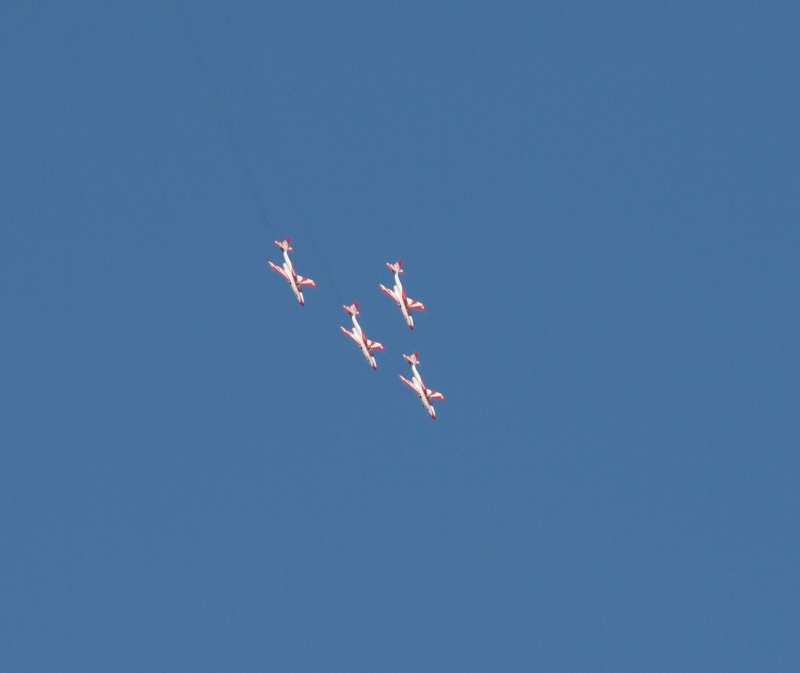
(236, 147)
(258, 114)
(230, 132)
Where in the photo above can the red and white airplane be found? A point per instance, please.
(399, 294)
(296, 281)
(357, 335)
(426, 395)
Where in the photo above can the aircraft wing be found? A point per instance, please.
(386, 290)
(416, 305)
(410, 384)
(433, 395)
(351, 335)
(275, 267)
(374, 345)
(306, 282)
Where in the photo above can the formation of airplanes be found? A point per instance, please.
(365, 345)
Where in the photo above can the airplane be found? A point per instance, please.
(296, 281)
(426, 395)
(399, 294)
(357, 335)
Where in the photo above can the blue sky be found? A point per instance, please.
(599, 208)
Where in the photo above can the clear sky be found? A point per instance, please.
(599, 205)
